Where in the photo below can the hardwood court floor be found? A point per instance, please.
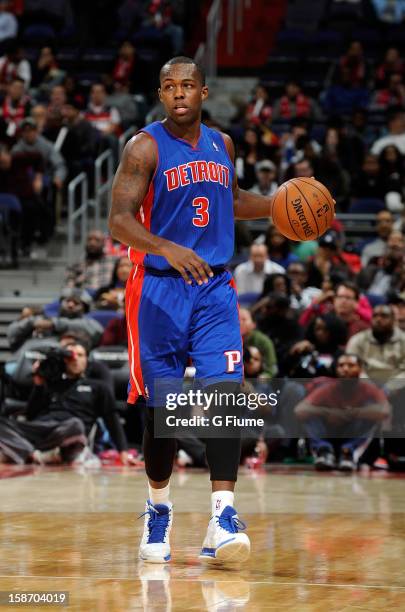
(319, 542)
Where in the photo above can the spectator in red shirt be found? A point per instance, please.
(124, 65)
(391, 95)
(294, 103)
(354, 62)
(392, 64)
(104, 118)
(339, 415)
(16, 106)
(259, 109)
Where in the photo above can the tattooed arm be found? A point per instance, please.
(131, 184)
(246, 205)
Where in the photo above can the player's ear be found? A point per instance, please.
(204, 93)
(160, 94)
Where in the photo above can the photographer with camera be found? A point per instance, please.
(62, 408)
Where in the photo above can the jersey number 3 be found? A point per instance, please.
(202, 217)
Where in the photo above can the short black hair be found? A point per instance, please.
(182, 59)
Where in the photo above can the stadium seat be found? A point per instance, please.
(38, 34)
(103, 316)
(376, 300)
(247, 299)
(367, 206)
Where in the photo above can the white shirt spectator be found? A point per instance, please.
(398, 140)
(250, 281)
(11, 70)
(8, 25)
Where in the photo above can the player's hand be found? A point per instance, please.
(187, 262)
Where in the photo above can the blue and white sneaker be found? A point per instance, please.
(224, 543)
(155, 546)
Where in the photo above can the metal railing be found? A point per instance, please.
(207, 52)
(103, 178)
(123, 139)
(77, 214)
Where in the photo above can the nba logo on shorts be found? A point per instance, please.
(218, 504)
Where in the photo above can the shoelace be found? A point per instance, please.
(157, 524)
(231, 523)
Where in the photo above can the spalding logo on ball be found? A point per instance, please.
(302, 209)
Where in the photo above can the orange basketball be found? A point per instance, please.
(302, 209)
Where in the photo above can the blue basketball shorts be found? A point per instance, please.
(170, 323)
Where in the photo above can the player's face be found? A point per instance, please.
(182, 93)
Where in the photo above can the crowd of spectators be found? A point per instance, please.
(55, 119)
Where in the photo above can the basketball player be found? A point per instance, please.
(174, 202)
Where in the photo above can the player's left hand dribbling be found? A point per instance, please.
(187, 262)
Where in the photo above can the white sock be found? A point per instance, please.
(219, 501)
(159, 496)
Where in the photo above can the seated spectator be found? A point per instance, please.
(354, 62)
(16, 106)
(125, 104)
(8, 22)
(377, 247)
(345, 303)
(368, 183)
(259, 109)
(96, 269)
(124, 65)
(78, 141)
(39, 114)
(47, 73)
(294, 104)
(95, 369)
(250, 275)
(74, 304)
(383, 274)
(392, 169)
(32, 142)
(396, 133)
(62, 412)
(325, 339)
(57, 98)
(294, 147)
(329, 260)
(21, 174)
(382, 349)
(112, 296)
(104, 118)
(248, 154)
(301, 294)
(393, 94)
(279, 247)
(341, 415)
(392, 64)
(266, 174)
(276, 319)
(252, 337)
(13, 65)
(344, 145)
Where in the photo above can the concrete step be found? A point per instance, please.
(3, 343)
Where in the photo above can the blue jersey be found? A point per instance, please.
(190, 200)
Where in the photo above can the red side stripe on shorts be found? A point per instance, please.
(132, 300)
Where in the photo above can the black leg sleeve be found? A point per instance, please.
(223, 453)
(159, 453)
